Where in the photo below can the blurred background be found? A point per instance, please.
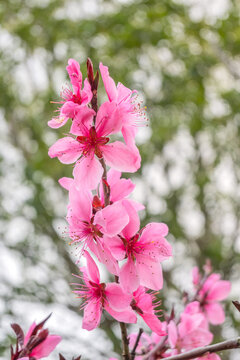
(183, 56)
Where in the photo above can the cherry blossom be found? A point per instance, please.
(144, 250)
(143, 304)
(97, 296)
(132, 112)
(91, 145)
(73, 102)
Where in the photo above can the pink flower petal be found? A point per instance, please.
(150, 272)
(123, 93)
(219, 291)
(92, 315)
(215, 313)
(105, 257)
(67, 149)
(126, 316)
(122, 189)
(82, 121)
(172, 334)
(116, 246)
(154, 323)
(129, 133)
(117, 298)
(121, 157)
(75, 74)
(66, 182)
(93, 272)
(134, 223)
(128, 276)
(109, 119)
(46, 347)
(109, 83)
(86, 93)
(57, 122)
(80, 204)
(29, 333)
(112, 218)
(88, 172)
(69, 109)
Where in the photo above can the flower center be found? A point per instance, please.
(92, 142)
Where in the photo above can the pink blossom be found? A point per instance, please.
(143, 304)
(214, 290)
(97, 296)
(144, 250)
(190, 333)
(133, 113)
(73, 102)
(88, 225)
(36, 344)
(91, 144)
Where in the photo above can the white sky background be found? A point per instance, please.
(15, 193)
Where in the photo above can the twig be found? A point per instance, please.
(106, 187)
(156, 348)
(225, 345)
(125, 348)
(133, 352)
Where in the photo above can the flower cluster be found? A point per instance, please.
(103, 221)
(191, 330)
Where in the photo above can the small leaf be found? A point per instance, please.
(19, 332)
(236, 304)
(40, 325)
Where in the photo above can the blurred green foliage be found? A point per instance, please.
(184, 60)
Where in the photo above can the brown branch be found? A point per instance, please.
(224, 345)
(133, 352)
(106, 187)
(156, 348)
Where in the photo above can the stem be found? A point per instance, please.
(106, 188)
(125, 348)
(106, 191)
(133, 352)
(156, 348)
(225, 345)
